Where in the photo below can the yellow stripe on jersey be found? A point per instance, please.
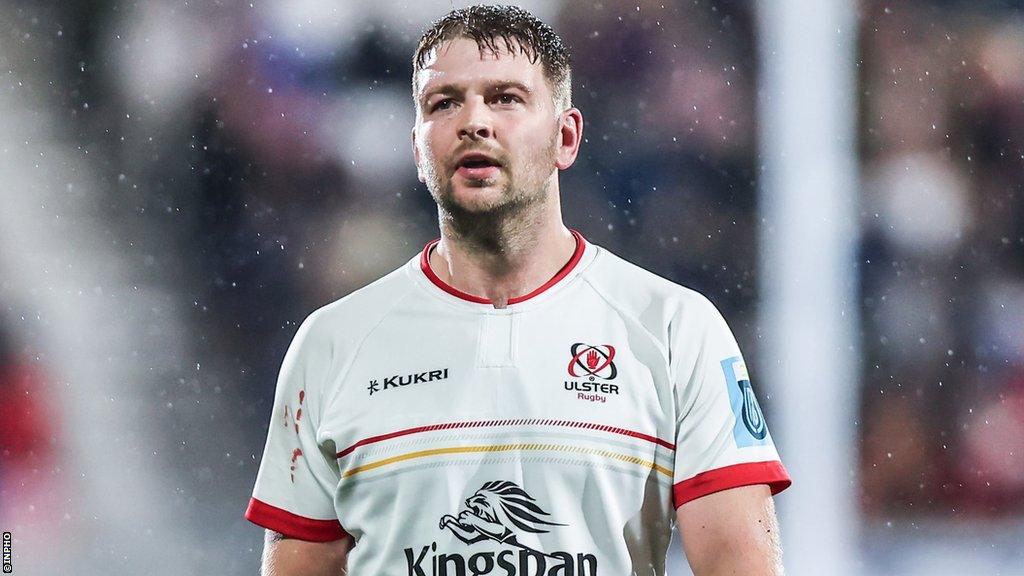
(506, 448)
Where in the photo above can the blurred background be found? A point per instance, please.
(182, 182)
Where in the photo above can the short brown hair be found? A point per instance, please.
(519, 31)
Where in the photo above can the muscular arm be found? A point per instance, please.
(732, 532)
(283, 556)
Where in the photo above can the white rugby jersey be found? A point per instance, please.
(553, 437)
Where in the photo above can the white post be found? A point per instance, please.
(71, 289)
(809, 235)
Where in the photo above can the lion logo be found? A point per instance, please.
(493, 513)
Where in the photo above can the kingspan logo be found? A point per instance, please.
(498, 512)
(398, 380)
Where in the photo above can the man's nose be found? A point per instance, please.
(476, 122)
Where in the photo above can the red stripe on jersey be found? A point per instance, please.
(771, 473)
(526, 422)
(293, 525)
(429, 272)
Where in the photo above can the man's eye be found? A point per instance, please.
(442, 105)
(507, 99)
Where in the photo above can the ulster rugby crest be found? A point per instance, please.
(593, 361)
(595, 366)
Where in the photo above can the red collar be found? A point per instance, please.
(573, 261)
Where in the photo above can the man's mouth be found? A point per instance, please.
(478, 167)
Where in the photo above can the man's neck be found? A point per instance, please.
(512, 258)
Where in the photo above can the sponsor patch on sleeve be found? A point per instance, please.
(750, 428)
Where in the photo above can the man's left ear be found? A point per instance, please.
(570, 135)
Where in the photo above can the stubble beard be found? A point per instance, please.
(494, 226)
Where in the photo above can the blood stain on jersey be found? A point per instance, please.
(295, 458)
(298, 413)
(294, 424)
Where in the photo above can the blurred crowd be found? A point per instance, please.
(254, 160)
(942, 259)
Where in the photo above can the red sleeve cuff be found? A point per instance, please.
(771, 473)
(293, 525)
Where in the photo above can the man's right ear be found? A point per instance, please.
(416, 158)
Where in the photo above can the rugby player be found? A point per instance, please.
(514, 400)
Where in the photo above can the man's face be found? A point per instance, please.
(486, 135)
